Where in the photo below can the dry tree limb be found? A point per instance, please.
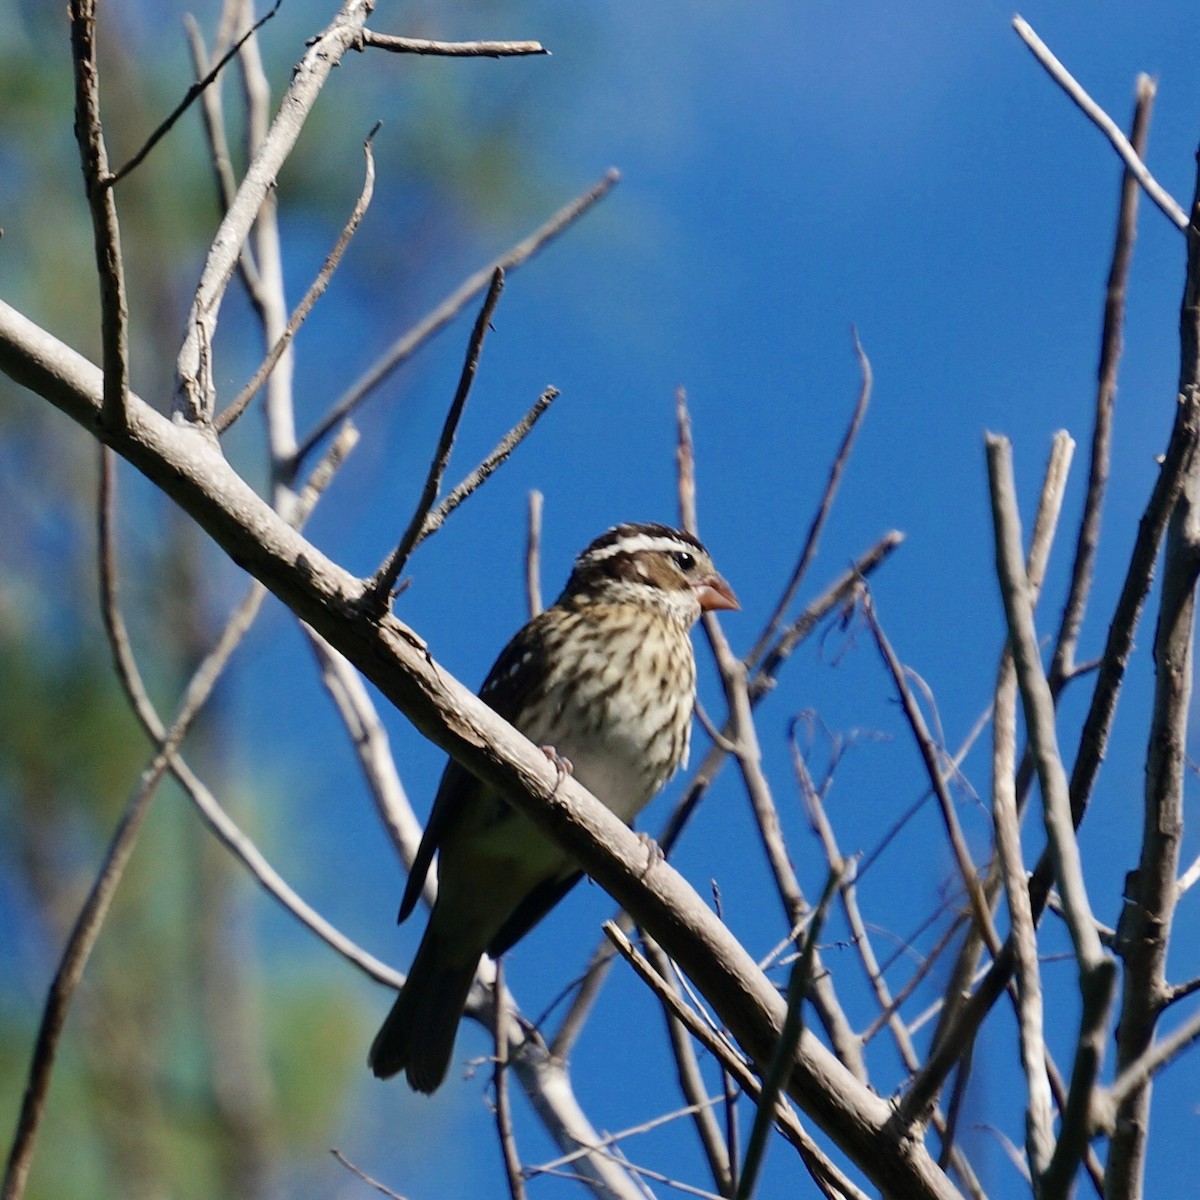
(800, 984)
(823, 1171)
(1103, 122)
(1063, 665)
(1122, 627)
(812, 538)
(1096, 968)
(1006, 821)
(933, 768)
(406, 345)
(213, 112)
(196, 394)
(102, 205)
(481, 49)
(493, 460)
(383, 1189)
(504, 1125)
(208, 77)
(88, 924)
(533, 555)
(315, 290)
(379, 592)
(1151, 891)
(743, 736)
(861, 939)
(691, 1082)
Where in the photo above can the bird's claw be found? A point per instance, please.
(654, 853)
(562, 765)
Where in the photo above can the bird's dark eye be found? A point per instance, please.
(683, 560)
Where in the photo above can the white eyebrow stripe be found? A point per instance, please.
(636, 543)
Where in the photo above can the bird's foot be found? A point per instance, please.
(562, 765)
(654, 853)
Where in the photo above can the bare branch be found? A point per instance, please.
(195, 398)
(799, 984)
(378, 595)
(1103, 122)
(812, 539)
(102, 205)
(496, 458)
(189, 97)
(504, 1126)
(315, 291)
(933, 768)
(404, 45)
(691, 1082)
(819, 1166)
(1136, 1076)
(1097, 969)
(379, 1187)
(1063, 664)
(1151, 893)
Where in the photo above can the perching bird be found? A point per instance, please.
(607, 679)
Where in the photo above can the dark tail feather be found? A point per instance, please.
(418, 1035)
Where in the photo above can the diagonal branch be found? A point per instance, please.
(189, 98)
(813, 537)
(315, 291)
(379, 591)
(1103, 122)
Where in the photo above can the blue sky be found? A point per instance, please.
(789, 171)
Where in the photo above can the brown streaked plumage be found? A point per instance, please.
(607, 678)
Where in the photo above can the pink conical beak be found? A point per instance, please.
(714, 593)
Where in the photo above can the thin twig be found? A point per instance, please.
(213, 113)
(504, 1125)
(824, 1172)
(367, 1179)
(1103, 122)
(404, 45)
(1138, 1073)
(1039, 706)
(379, 591)
(405, 346)
(691, 1082)
(1097, 970)
(1088, 539)
(315, 291)
(102, 206)
(780, 1067)
(188, 98)
(821, 516)
(496, 458)
(196, 392)
(933, 767)
(743, 736)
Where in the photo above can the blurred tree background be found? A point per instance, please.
(169, 1081)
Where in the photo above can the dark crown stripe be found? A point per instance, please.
(629, 538)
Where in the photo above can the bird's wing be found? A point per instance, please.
(531, 910)
(508, 686)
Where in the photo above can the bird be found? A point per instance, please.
(604, 681)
